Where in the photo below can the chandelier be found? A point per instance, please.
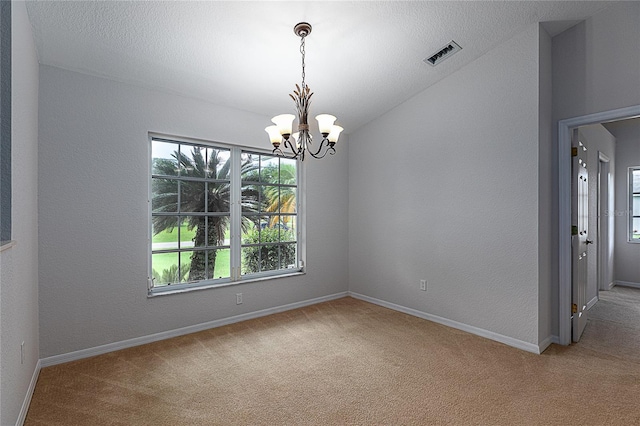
(300, 142)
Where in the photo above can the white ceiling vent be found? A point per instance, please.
(447, 50)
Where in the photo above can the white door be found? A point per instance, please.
(579, 240)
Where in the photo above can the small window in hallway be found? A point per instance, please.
(634, 204)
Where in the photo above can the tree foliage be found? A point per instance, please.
(268, 257)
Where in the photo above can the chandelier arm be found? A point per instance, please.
(294, 151)
(277, 151)
(330, 150)
(322, 144)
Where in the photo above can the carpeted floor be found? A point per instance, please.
(348, 362)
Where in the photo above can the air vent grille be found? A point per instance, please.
(448, 50)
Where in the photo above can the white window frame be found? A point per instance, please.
(630, 211)
(236, 277)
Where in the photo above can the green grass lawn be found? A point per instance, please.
(171, 237)
(185, 235)
(164, 261)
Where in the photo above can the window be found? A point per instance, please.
(269, 213)
(202, 237)
(634, 204)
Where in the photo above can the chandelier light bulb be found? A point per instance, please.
(284, 122)
(325, 122)
(274, 135)
(334, 134)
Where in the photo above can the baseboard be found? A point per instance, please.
(27, 399)
(627, 284)
(115, 346)
(611, 285)
(592, 302)
(510, 341)
(547, 342)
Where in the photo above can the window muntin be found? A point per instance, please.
(198, 237)
(634, 204)
(269, 214)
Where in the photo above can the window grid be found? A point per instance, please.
(634, 204)
(193, 185)
(272, 242)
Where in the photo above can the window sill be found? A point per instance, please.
(6, 245)
(163, 292)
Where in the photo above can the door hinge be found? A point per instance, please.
(574, 151)
(574, 308)
(574, 230)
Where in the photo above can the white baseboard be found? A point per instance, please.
(115, 346)
(510, 341)
(547, 342)
(627, 284)
(27, 399)
(592, 302)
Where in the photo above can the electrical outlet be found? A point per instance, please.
(238, 298)
(423, 285)
(22, 353)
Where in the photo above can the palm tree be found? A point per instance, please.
(193, 199)
(280, 199)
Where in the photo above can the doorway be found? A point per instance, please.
(606, 224)
(565, 130)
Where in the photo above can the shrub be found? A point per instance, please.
(171, 275)
(271, 254)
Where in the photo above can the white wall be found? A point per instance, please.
(93, 214)
(627, 266)
(597, 139)
(445, 187)
(19, 264)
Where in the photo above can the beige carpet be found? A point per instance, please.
(344, 362)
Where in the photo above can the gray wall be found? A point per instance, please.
(547, 202)
(19, 264)
(627, 133)
(93, 188)
(445, 188)
(596, 63)
(596, 67)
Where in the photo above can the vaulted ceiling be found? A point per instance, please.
(363, 58)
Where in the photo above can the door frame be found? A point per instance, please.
(565, 128)
(604, 172)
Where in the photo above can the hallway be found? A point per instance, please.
(613, 326)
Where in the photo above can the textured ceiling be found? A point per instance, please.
(363, 58)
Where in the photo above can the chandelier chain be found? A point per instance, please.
(302, 51)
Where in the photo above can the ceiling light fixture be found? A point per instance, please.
(281, 131)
